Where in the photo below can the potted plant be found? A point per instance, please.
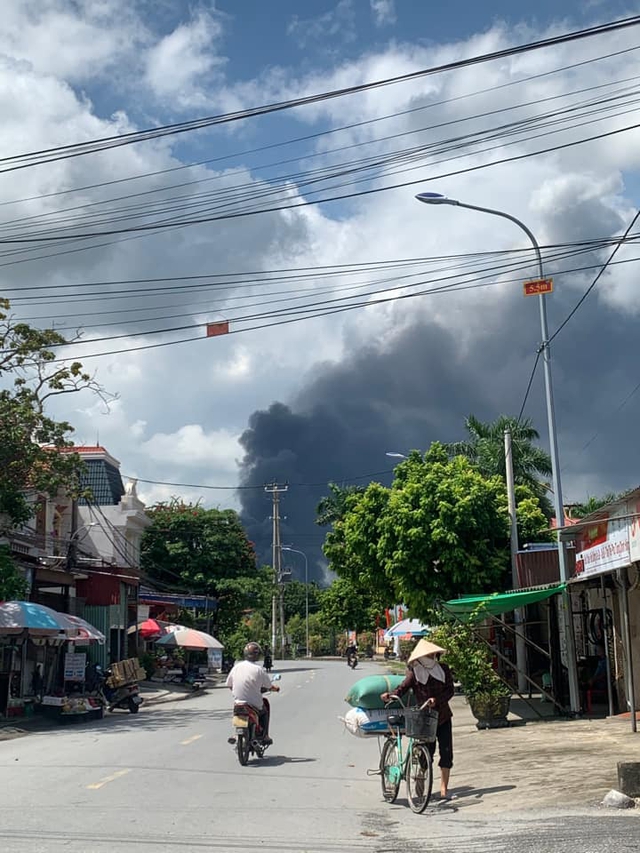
(471, 662)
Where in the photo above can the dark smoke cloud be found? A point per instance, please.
(420, 387)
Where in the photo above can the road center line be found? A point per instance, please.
(190, 740)
(112, 778)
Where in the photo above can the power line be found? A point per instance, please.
(248, 487)
(154, 227)
(21, 161)
(594, 282)
(330, 131)
(529, 384)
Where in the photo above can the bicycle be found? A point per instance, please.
(415, 765)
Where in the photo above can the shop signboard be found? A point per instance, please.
(605, 545)
(75, 664)
(633, 509)
(214, 658)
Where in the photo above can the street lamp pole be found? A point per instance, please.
(574, 691)
(306, 594)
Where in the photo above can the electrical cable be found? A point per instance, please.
(329, 131)
(355, 194)
(20, 161)
(594, 282)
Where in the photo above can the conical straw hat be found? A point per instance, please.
(423, 648)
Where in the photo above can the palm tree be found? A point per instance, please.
(484, 447)
(333, 506)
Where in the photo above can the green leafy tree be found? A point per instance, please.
(333, 506)
(485, 448)
(440, 530)
(13, 586)
(345, 606)
(533, 525)
(31, 461)
(352, 545)
(592, 504)
(203, 551)
(295, 598)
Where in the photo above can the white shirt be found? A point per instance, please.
(246, 680)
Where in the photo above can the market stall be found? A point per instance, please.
(31, 636)
(43, 662)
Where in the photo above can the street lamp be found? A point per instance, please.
(437, 198)
(306, 592)
(396, 455)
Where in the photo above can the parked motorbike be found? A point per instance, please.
(249, 735)
(127, 697)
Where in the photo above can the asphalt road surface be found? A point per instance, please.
(167, 779)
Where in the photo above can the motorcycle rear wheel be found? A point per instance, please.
(133, 706)
(244, 748)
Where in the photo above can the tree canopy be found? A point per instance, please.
(191, 548)
(30, 440)
(441, 529)
(484, 447)
(333, 506)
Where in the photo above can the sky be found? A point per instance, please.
(323, 398)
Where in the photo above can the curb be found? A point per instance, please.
(173, 697)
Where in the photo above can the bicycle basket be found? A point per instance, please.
(421, 724)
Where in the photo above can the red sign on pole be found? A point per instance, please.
(214, 329)
(537, 286)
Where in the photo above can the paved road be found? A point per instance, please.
(167, 780)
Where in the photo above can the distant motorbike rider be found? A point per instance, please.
(268, 660)
(248, 680)
(352, 654)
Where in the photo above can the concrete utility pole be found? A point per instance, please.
(275, 490)
(521, 649)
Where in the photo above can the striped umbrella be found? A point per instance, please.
(36, 619)
(83, 631)
(189, 638)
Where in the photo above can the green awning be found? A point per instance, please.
(501, 602)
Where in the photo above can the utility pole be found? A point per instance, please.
(521, 649)
(275, 490)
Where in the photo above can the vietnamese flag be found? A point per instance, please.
(214, 329)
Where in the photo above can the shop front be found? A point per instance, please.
(607, 580)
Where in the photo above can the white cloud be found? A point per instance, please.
(194, 447)
(76, 41)
(384, 12)
(336, 24)
(181, 66)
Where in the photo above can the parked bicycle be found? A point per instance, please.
(413, 763)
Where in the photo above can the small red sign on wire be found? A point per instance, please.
(538, 286)
(214, 329)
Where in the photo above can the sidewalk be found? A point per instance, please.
(537, 764)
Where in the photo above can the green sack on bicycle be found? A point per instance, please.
(365, 693)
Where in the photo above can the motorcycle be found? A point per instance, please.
(249, 736)
(352, 661)
(268, 662)
(127, 697)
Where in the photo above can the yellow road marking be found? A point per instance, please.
(190, 740)
(112, 778)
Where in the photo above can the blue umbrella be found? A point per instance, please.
(36, 619)
(406, 628)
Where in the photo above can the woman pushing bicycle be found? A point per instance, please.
(432, 682)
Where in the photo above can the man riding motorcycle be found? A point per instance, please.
(248, 680)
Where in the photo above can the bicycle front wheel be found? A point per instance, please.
(419, 777)
(390, 773)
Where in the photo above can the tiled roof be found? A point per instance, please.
(104, 480)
